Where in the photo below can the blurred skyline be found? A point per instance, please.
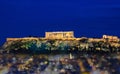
(90, 18)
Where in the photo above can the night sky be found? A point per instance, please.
(90, 18)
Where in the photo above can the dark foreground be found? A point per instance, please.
(80, 63)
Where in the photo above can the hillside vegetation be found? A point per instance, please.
(56, 46)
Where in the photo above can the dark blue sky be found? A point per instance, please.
(91, 18)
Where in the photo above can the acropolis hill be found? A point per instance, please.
(67, 35)
(59, 41)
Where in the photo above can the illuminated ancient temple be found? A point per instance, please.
(59, 35)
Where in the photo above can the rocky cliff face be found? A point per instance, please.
(41, 45)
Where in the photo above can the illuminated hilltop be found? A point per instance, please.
(62, 41)
(67, 35)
